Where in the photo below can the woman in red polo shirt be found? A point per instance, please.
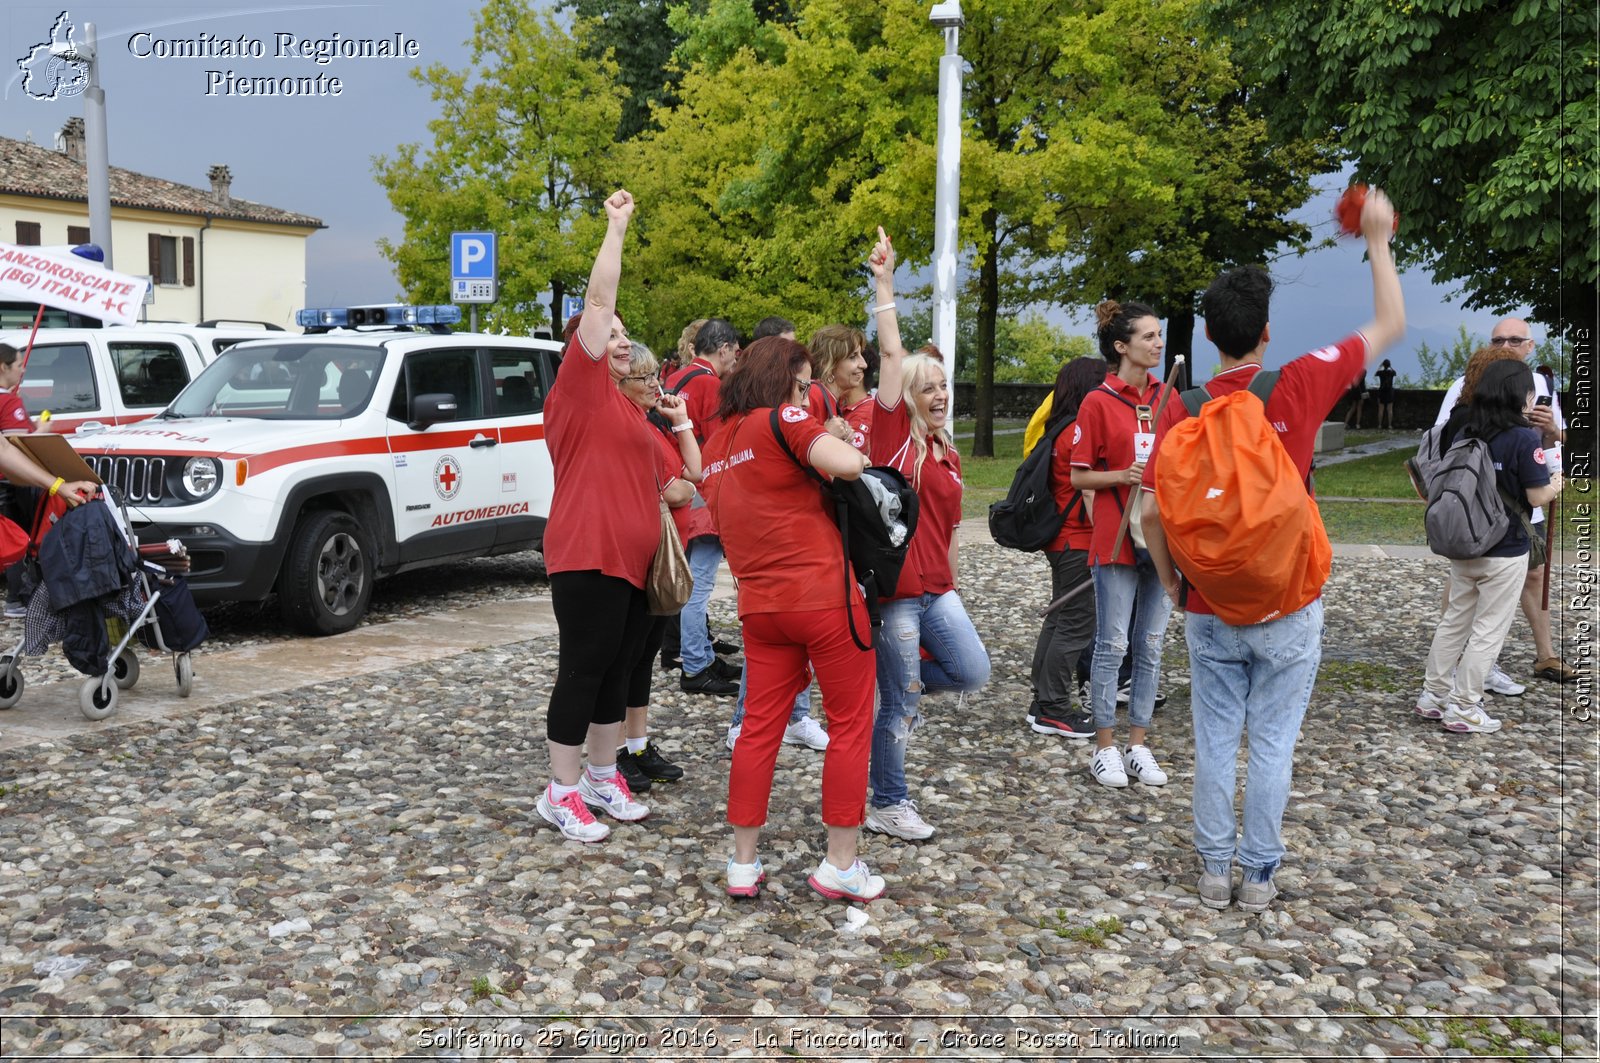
(1111, 442)
(605, 522)
(839, 395)
(795, 602)
(927, 642)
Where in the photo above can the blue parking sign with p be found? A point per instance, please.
(473, 274)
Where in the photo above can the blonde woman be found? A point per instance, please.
(909, 432)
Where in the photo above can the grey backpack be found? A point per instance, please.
(1465, 517)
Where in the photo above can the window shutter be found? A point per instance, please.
(188, 262)
(77, 234)
(28, 234)
(155, 256)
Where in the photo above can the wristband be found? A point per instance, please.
(57, 485)
(886, 306)
(687, 426)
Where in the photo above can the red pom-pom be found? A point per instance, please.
(1347, 212)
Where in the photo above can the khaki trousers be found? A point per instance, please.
(1483, 596)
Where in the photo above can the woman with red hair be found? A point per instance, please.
(795, 601)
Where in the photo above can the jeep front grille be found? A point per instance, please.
(137, 479)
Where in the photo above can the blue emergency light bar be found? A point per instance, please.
(324, 318)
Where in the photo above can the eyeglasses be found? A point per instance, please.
(1510, 341)
(649, 378)
(803, 383)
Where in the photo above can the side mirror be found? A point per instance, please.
(428, 410)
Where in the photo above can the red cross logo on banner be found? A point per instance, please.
(447, 477)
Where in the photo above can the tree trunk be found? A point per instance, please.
(988, 315)
(558, 295)
(1180, 340)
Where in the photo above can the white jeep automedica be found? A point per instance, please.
(312, 464)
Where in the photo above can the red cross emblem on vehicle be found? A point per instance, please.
(447, 477)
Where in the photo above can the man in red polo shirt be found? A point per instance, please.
(716, 346)
(1259, 677)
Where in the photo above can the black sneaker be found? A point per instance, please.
(706, 682)
(723, 670)
(650, 761)
(722, 646)
(1070, 726)
(632, 773)
(1126, 689)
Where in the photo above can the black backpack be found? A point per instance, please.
(873, 544)
(1028, 517)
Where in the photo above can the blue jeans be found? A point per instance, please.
(802, 703)
(939, 624)
(1256, 678)
(1131, 610)
(694, 631)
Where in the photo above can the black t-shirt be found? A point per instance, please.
(1385, 381)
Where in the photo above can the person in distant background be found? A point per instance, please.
(1358, 400)
(781, 327)
(1385, 376)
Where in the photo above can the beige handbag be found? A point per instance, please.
(668, 584)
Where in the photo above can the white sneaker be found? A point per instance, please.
(1497, 682)
(1106, 767)
(1141, 764)
(612, 797)
(806, 732)
(1431, 706)
(900, 820)
(733, 734)
(744, 880)
(572, 817)
(1468, 720)
(855, 884)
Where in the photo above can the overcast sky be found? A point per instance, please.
(169, 118)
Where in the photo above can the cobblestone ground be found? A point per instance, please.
(357, 870)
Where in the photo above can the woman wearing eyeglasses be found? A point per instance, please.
(927, 643)
(795, 603)
(604, 525)
(640, 762)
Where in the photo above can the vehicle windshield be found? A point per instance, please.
(298, 381)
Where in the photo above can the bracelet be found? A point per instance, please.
(687, 426)
(57, 485)
(886, 306)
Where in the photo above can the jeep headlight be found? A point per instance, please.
(201, 476)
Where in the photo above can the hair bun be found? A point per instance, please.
(1106, 311)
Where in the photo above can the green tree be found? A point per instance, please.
(522, 147)
(1478, 118)
(637, 37)
(1441, 367)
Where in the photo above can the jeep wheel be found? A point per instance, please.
(327, 577)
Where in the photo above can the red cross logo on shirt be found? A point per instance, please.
(447, 477)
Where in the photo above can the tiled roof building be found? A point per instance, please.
(211, 255)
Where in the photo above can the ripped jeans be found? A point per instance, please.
(957, 661)
(1131, 609)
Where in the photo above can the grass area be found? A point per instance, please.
(1378, 476)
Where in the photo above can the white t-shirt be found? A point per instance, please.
(1541, 387)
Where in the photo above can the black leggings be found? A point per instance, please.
(602, 621)
(644, 671)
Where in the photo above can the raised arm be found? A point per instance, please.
(600, 298)
(890, 353)
(1389, 308)
(676, 411)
